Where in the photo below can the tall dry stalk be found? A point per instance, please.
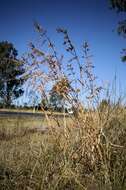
(73, 79)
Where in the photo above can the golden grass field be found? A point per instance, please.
(87, 152)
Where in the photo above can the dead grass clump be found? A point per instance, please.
(86, 153)
(82, 157)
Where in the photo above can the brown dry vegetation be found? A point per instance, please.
(89, 154)
(86, 151)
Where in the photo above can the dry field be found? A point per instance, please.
(85, 152)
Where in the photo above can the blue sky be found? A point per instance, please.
(89, 20)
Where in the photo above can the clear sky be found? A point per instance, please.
(89, 20)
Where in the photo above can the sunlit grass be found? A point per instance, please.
(85, 151)
(80, 155)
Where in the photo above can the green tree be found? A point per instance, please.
(56, 101)
(44, 104)
(11, 70)
(120, 6)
